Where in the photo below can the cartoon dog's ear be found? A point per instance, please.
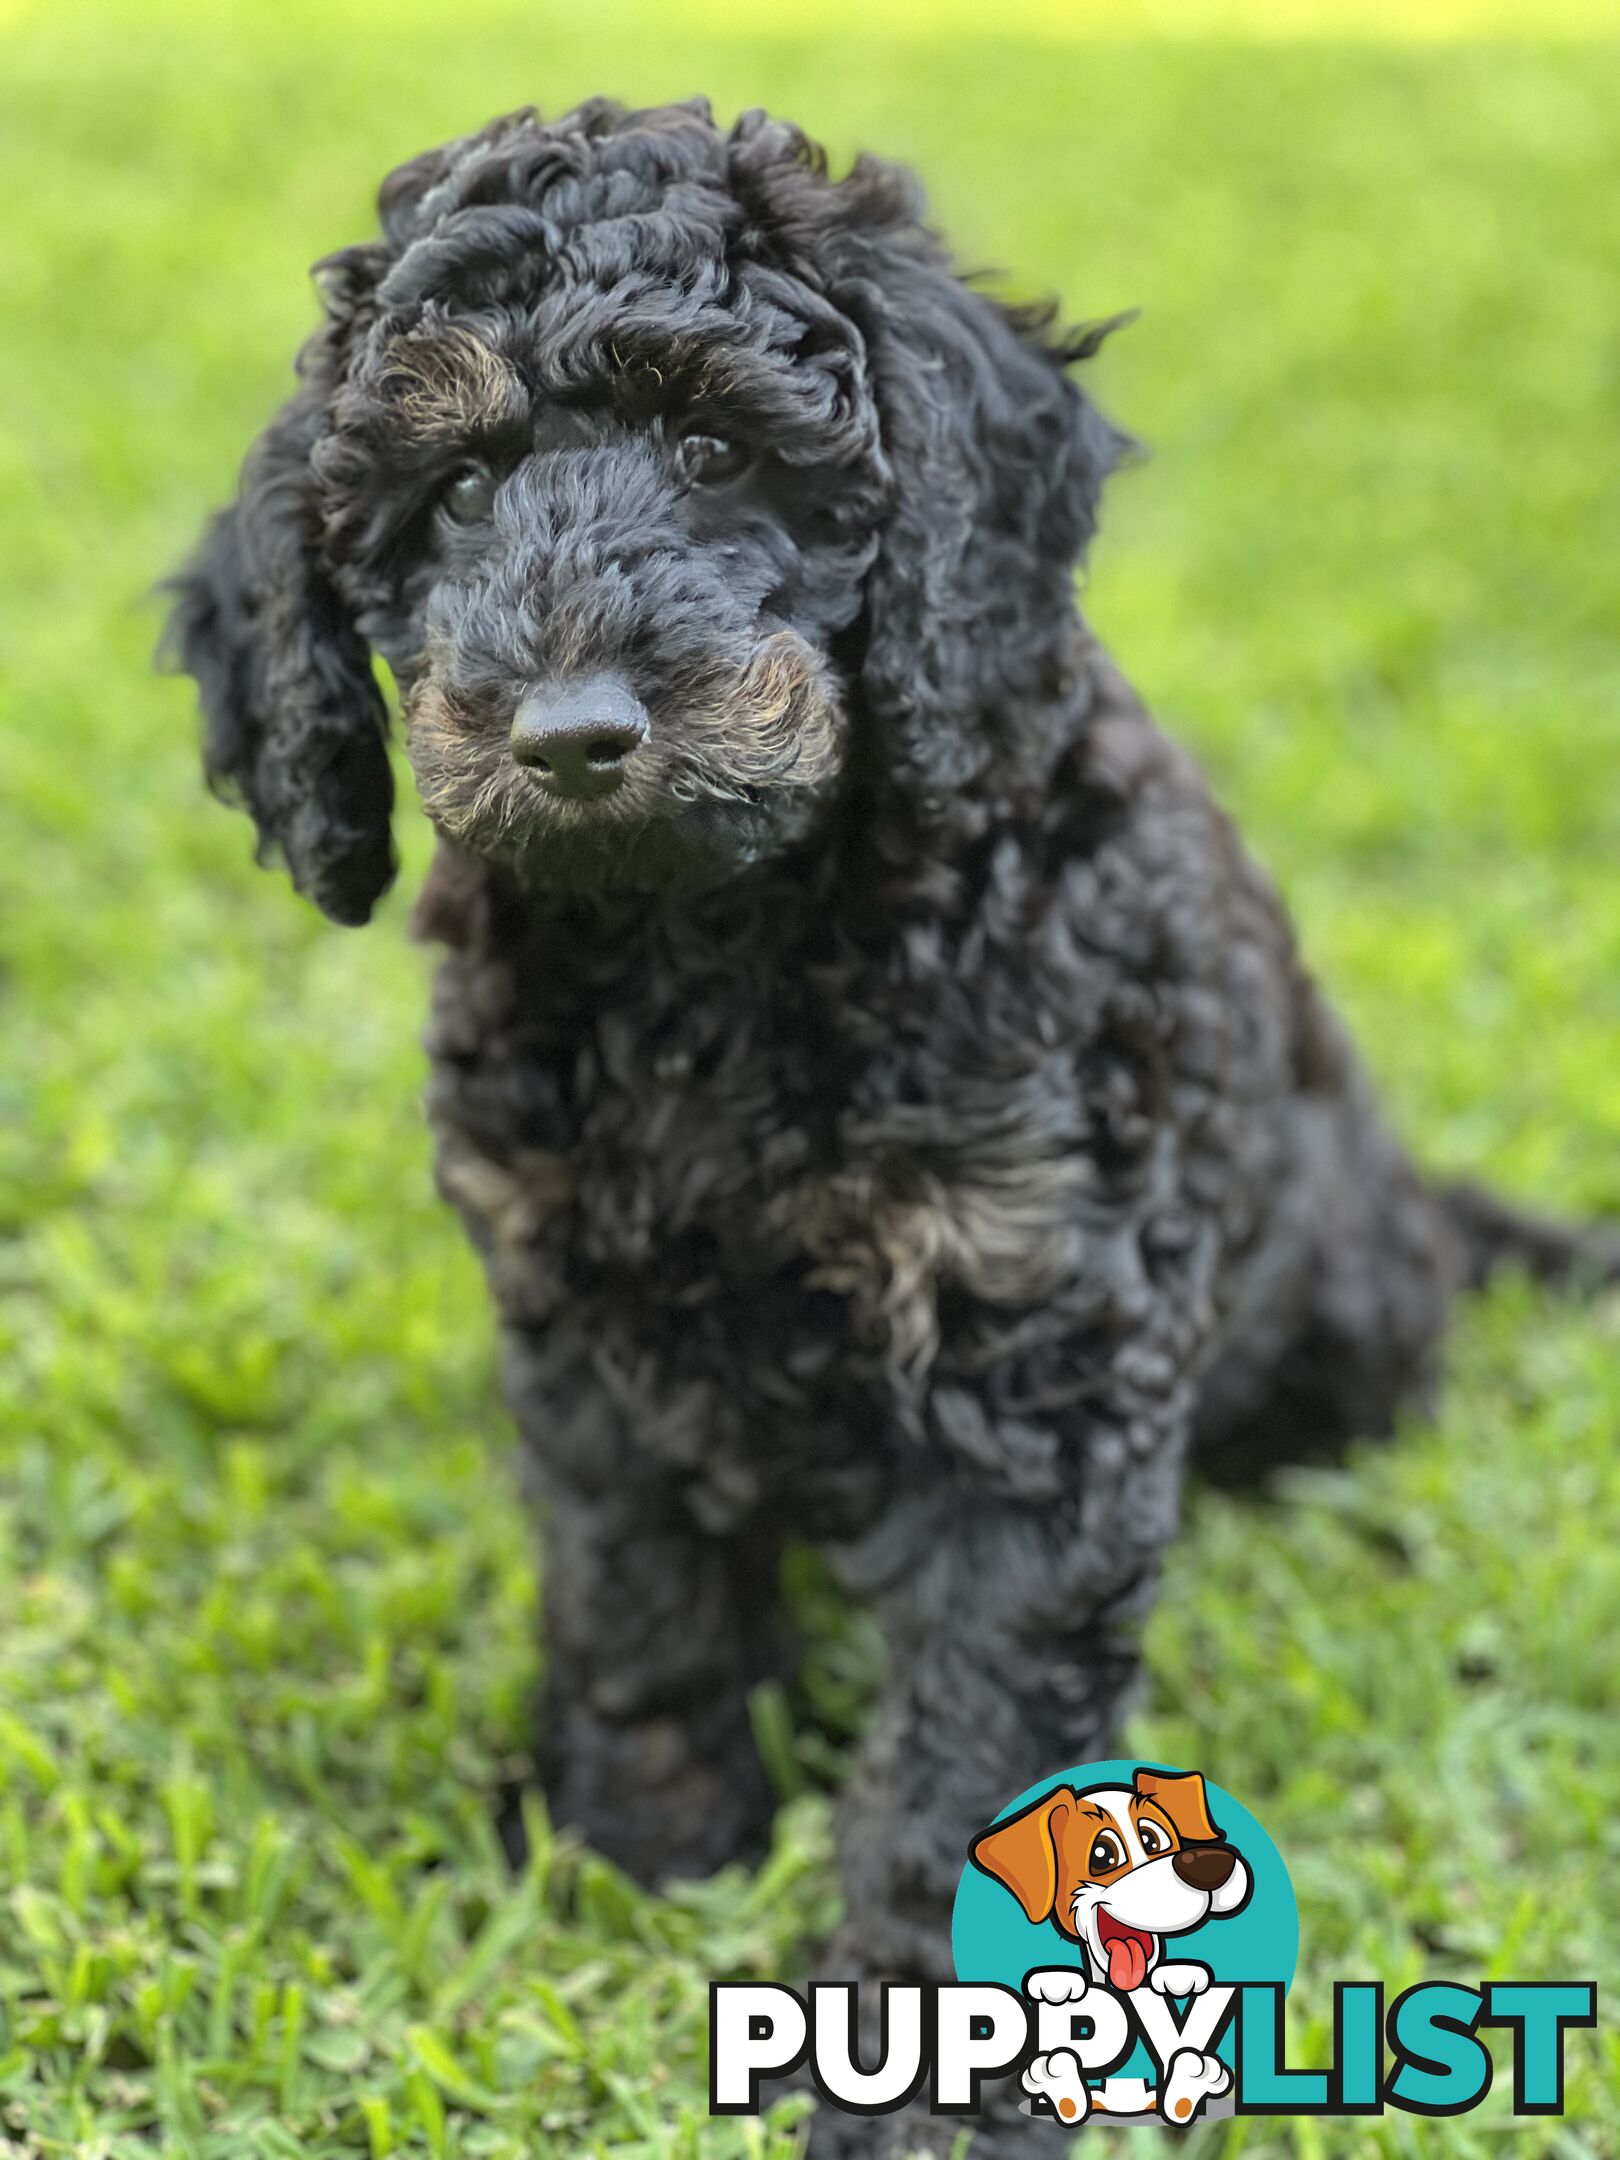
(1022, 1852)
(1182, 1796)
(294, 725)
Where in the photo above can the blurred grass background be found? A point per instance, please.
(267, 1604)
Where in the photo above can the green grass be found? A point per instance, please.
(268, 1611)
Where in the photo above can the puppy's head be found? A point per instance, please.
(1117, 1868)
(675, 482)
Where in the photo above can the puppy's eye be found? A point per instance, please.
(1105, 1855)
(470, 496)
(1153, 1838)
(710, 460)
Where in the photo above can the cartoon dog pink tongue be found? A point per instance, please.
(1128, 1951)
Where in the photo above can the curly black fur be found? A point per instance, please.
(896, 1115)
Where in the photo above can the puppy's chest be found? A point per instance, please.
(680, 1177)
(680, 1164)
(636, 1153)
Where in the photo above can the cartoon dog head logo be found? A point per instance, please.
(1119, 1868)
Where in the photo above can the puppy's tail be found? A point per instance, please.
(1495, 1235)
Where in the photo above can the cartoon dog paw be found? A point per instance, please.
(1059, 1984)
(1057, 2078)
(1188, 1979)
(1193, 2078)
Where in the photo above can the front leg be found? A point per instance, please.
(1012, 1638)
(655, 1629)
(655, 1633)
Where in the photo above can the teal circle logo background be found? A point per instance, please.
(992, 1940)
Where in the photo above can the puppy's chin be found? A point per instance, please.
(693, 848)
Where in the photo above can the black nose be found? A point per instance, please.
(1205, 1867)
(576, 736)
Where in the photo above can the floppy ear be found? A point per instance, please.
(1022, 1852)
(990, 465)
(998, 462)
(294, 724)
(1184, 1800)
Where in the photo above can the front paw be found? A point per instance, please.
(1186, 1979)
(1057, 1984)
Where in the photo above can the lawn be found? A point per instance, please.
(268, 1608)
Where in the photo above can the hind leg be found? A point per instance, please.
(1343, 1310)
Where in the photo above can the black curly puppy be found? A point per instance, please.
(886, 1098)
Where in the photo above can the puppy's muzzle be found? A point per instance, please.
(577, 738)
(1204, 1867)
